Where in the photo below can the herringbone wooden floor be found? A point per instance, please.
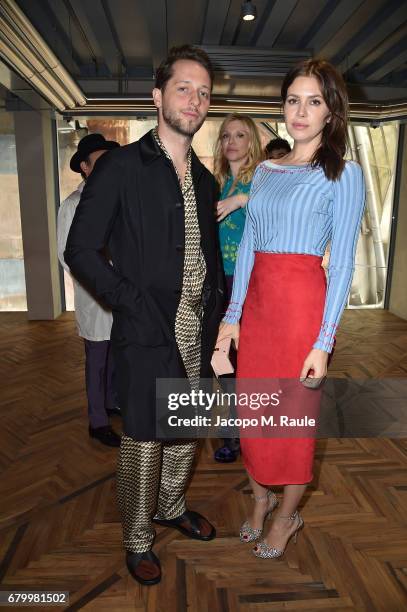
(59, 522)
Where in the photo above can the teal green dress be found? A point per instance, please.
(231, 228)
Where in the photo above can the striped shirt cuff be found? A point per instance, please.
(233, 313)
(324, 345)
(326, 338)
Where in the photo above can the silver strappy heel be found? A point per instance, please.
(248, 533)
(264, 551)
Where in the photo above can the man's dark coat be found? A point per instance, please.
(132, 209)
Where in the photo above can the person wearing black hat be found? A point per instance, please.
(93, 320)
(90, 148)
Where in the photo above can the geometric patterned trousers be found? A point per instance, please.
(151, 481)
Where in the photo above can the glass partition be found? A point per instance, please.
(374, 149)
(12, 277)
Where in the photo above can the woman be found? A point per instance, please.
(237, 153)
(289, 321)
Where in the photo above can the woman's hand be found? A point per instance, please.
(229, 330)
(315, 365)
(228, 205)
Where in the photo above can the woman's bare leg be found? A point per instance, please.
(282, 528)
(256, 518)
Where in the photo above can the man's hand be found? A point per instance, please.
(228, 205)
(229, 330)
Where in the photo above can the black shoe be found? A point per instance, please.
(144, 567)
(105, 435)
(114, 411)
(190, 523)
(225, 454)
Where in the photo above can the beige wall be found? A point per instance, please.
(398, 292)
(36, 182)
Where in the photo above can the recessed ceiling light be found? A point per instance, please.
(249, 12)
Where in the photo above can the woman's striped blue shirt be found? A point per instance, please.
(296, 209)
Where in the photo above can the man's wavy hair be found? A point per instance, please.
(185, 52)
(334, 141)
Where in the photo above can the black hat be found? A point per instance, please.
(89, 144)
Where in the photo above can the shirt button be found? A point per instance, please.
(178, 205)
(179, 247)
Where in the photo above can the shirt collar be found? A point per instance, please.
(149, 151)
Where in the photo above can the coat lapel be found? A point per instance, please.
(150, 151)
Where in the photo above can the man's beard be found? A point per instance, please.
(185, 128)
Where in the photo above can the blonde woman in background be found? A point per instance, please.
(238, 151)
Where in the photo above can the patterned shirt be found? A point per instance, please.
(188, 320)
(296, 209)
(231, 228)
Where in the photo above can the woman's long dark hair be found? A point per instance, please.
(334, 140)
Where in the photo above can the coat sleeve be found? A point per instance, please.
(65, 215)
(89, 236)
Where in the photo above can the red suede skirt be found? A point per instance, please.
(281, 320)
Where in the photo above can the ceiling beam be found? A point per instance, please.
(394, 58)
(185, 21)
(262, 21)
(253, 62)
(48, 25)
(19, 87)
(399, 77)
(156, 19)
(274, 22)
(345, 28)
(98, 23)
(372, 33)
(332, 16)
(98, 66)
(115, 37)
(216, 15)
(221, 105)
(393, 38)
(29, 54)
(231, 22)
(73, 18)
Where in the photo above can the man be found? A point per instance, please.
(152, 204)
(277, 148)
(94, 320)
